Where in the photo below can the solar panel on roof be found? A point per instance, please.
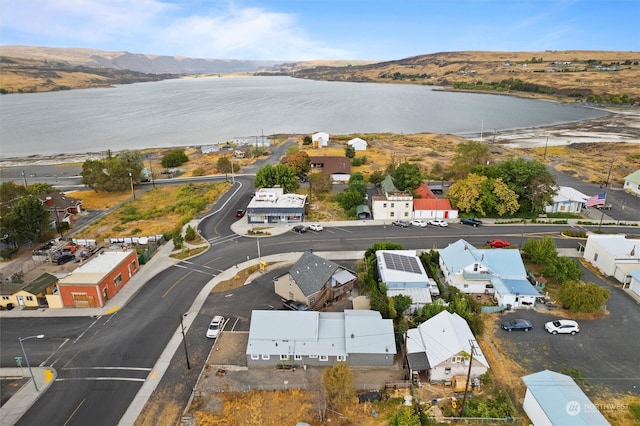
(401, 263)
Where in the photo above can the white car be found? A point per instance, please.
(315, 227)
(438, 222)
(217, 323)
(418, 223)
(562, 327)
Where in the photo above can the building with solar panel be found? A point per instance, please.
(403, 274)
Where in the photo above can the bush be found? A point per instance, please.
(189, 233)
(174, 158)
(583, 297)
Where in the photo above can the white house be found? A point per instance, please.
(567, 200)
(494, 271)
(320, 140)
(634, 284)
(613, 254)
(441, 348)
(403, 273)
(358, 144)
(632, 182)
(393, 204)
(555, 399)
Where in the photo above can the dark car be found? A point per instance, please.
(299, 229)
(400, 223)
(294, 306)
(239, 213)
(64, 258)
(471, 221)
(517, 324)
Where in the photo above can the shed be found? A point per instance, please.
(320, 140)
(358, 144)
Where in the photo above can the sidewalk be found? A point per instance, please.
(20, 402)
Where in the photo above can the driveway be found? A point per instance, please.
(605, 352)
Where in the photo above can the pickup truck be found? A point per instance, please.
(471, 221)
(604, 207)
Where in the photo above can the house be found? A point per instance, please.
(358, 144)
(555, 399)
(393, 204)
(60, 207)
(314, 281)
(338, 167)
(403, 273)
(429, 209)
(301, 338)
(613, 254)
(32, 294)
(567, 200)
(634, 282)
(272, 205)
(492, 271)
(320, 140)
(632, 182)
(99, 279)
(440, 349)
(254, 141)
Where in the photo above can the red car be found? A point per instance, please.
(240, 213)
(498, 243)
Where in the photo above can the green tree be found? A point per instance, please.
(10, 191)
(506, 200)
(401, 303)
(469, 154)
(40, 188)
(223, 165)
(349, 151)
(468, 194)
(338, 385)
(133, 162)
(174, 158)
(306, 140)
(407, 177)
(189, 233)
(376, 177)
(269, 176)
(110, 174)
(541, 251)
(404, 416)
(583, 297)
(27, 221)
(562, 269)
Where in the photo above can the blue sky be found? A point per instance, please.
(321, 29)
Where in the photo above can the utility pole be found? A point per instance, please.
(184, 341)
(605, 195)
(544, 157)
(466, 384)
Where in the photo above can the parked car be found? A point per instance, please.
(215, 326)
(471, 221)
(316, 227)
(70, 248)
(299, 229)
(562, 327)
(294, 306)
(497, 243)
(517, 324)
(438, 222)
(64, 258)
(400, 223)
(418, 223)
(239, 213)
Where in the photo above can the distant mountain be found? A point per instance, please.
(149, 64)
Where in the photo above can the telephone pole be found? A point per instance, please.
(466, 385)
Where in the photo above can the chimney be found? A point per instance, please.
(49, 201)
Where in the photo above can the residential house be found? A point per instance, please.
(555, 399)
(613, 254)
(31, 294)
(393, 204)
(358, 144)
(427, 206)
(632, 182)
(314, 281)
(60, 207)
(441, 348)
(272, 205)
(320, 140)
(567, 200)
(338, 167)
(403, 274)
(301, 338)
(492, 271)
(99, 279)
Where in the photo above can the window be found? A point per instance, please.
(595, 257)
(5, 297)
(324, 358)
(393, 205)
(255, 356)
(475, 267)
(313, 356)
(342, 358)
(30, 298)
(266, 357)
(465, 286)
(447, 370)
(312, 300)
(384, 205)
(297, 357)
(406, 214)
(117, 280)
(456, 359)
(392, 214)
(406, 205)
(284, 357)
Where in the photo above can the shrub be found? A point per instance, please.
(190, 233)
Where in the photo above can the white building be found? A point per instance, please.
(613, 254)
(403, 274)
(358, 144)
(632, 182)
(320, 140)
(567, 200)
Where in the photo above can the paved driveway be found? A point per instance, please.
(606, 351)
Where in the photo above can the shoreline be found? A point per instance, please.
(618, 126)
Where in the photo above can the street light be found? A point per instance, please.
(20, 339)
(132, 192)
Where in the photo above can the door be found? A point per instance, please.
(20, 300)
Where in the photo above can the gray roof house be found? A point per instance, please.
(301, 338)
(272, 205)
(498, 271)
(555, 399)
(314, 281)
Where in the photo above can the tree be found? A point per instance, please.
(540, 251)
(10, 191)
(562, 269)
(349, 151)
(133, 162)
(401, 303)
(320, 182)
(269, 176)
(407, 177)
(27, 221)
(469, 154)
(583, 297)
(338, 385)
(482, 195)
(189, 233)
(404, 416)
(223, 165)
(40, 188)
(174, 158)
(300, 162)
(110, 175)
(306, 140)
(376, 177)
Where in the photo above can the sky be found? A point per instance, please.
(297, 30)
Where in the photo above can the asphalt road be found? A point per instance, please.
(102, 362)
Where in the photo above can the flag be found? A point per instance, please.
(597, 200)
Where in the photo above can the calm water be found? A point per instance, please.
(207, 111)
